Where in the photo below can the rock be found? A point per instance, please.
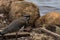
(49, 20)
(21, 8)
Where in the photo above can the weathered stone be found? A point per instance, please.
(49, 20)
(21, 8)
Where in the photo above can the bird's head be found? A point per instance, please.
(27, 17)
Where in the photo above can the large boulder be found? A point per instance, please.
(21, 8)
(49, 20)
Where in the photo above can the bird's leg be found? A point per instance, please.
(22, 28)
(18, 31)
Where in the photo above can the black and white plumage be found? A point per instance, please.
(15, 25)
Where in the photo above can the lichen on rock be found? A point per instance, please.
(21, 8)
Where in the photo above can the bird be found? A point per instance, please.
(16, 24)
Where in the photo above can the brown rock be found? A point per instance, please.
(21, 8)
(49, 20)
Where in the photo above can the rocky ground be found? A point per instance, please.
(34, 35)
